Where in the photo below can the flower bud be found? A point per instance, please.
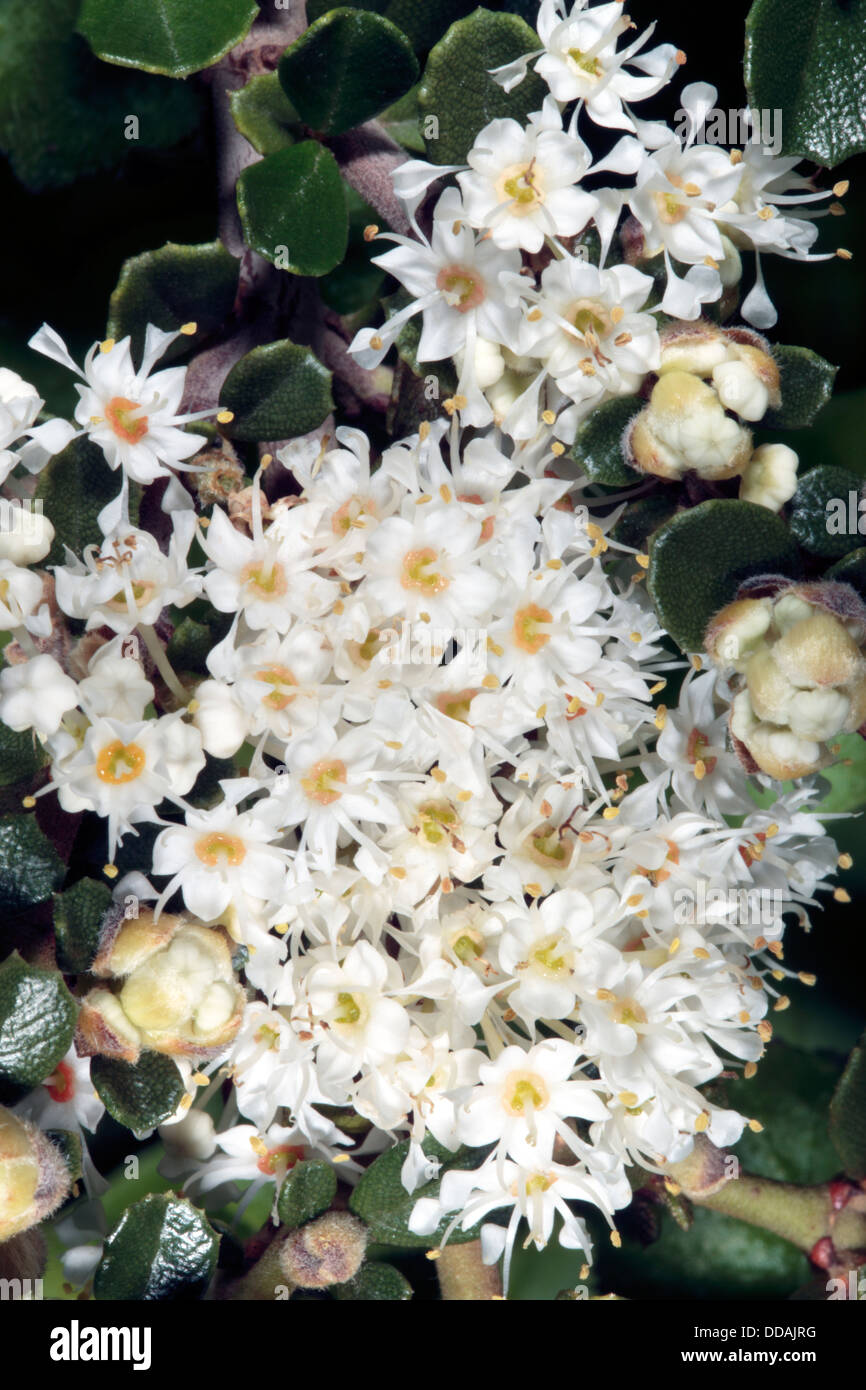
(329, 1250)
(29, 541)
(219, 719)
(489, 363)
(192, 1136)
(799, 653)
(770, 477)
(685, 428)
(34, 1180)
(178, 993)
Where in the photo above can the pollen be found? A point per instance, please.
(188, 329)
(371, 231)
(28, 802)
(225, 417)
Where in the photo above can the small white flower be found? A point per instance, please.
(36, 695)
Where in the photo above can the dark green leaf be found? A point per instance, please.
(423, 22)
(37, 1021)
(375, 1282)
(20, 756)
(641, 518)
(171, 287)
(175, 37)
(69, 1145)
(458, 91)
(346, 68)
(138, 1096)
(30, 868)
(74, 487)
(293, 209)
(277, 392)
(848, 1114)
(381, 1200)
(851, 569)
(264, 115)
(822, 509)
(162, 1248)
(73, 118)
(806, 386)
(789, 1094)
(78, 914)
(403, 122)
(700, 557)
(598, 446)
(308, 1189)
(804, 58)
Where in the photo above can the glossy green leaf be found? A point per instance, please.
(848, 1114)
(806, 386)
(162, 1248)
(847, 778)
(822, 509)
(402, 121)
(293, 209)
(598, 446)
(139, 1096)
(700, 557)
(37, 1021)
(51, 128)
(346, 68)
(78, 915)
(805, 59)
(375, 1282)
(381, 1200)
(171, 287)
(718, 1257)
(264, 115)
(30, 868)
(277, 392)
(422, 21)
(175, 37)
(74, 487)
(308, 1189)
(458, 92)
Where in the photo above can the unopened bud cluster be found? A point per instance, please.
(799, 655)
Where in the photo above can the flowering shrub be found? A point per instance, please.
(422, 662)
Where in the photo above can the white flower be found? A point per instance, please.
(350, 1008)
(36, 695)
(580, 62)
(521, 184)
(129, 580)
(20, 404)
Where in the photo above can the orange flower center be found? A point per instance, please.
(279, 1159)
(278, 678)
(120, 762)
(321, 782)
(61, 1085)
(456, 705)
(122, 415)
(527, 624)
(220, 848)
(350, 514)
(266, 581)
(418, 575)
(462, 288)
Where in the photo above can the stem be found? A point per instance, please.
(463, 1275)
(162, 663)
(367, 158)
(799, 1214)
(260, 1283)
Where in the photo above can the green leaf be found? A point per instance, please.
(74, 487)
(718, 1257)
(30, 868)
(459, 92)
(72, 119)
(847, 778)
(700, 557)
(819, 511)
(162, 1248)
(641, 518)
(346, 68)
(293, 209)
(37, 1021)
(70, 1148)
(421, 21)
(851, 570)
(375, 1282)
(403, 122)
(170, 287)
(138, 1096)
(848, 1114)
(190, 645)
(805, 59)
(598, 446)
(381, 1200)
(20, 756)
(806, 386)
(308, 1189)
(264, 115)
(789, 1094)
(175, 37)
(277, 391)
(78, 915)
